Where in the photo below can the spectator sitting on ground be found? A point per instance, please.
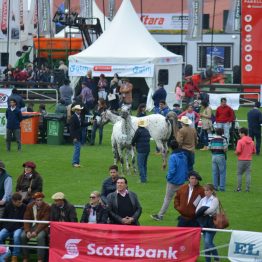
(15, 209)
(30, 73)
(29, 182)
(62, 210)
(109, 185)
(94, 212)
(66, 92)
(8, 69)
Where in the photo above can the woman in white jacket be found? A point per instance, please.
(206, 209)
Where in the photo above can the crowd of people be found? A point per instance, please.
(116, 204)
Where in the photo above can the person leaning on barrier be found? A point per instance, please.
(13, 210)
(37, 210)
(123, 205)
(62, 210)
(94, 212)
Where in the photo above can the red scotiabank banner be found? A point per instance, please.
(95, 242)
(251, 41)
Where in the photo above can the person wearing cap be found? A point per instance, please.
(254, 118)
(29, 182)
(95, 212)
(141, 140)
(62, 210)
(176, 176)
(187, 140)
(5, 188)
(37, 210)
(15, 209)
(76, 133)
(186, 200)
(14, 117)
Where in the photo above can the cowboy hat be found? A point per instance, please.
(77, 107)
(142, 123)
(185, 120)
(58, 196)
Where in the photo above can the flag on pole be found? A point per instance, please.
(194, 31)
(233, 19)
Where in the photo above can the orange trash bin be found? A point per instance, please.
(29, 128)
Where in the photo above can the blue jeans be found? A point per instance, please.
(204, 137)
(76, 155)
(219, 169)
(226, 128)
(83, 135)
(93, 134)
(208, 243)
(190, 160)
(142, 166)
(4, 234)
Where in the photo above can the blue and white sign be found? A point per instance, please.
(4, 94)
(245, 246)
(218, 56)
(146, 70)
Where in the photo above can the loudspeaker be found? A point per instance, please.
(163, 76)
(205, 24)
(188, 70)
(236, 74)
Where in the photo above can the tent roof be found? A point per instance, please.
(126, 41)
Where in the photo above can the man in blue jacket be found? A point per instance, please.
(160, 94)
(254, 118)
(176, 176)
(14, 117)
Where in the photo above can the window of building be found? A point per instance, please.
(223, 56)
(177, 49)
(4, 59)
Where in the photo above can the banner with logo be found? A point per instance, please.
(2, 124)
(233, 100)
(194, 32)
(251, 42)
(171, 21)
(4, 94)
(233, 20)
(106, 243)
(146, 70)
(245, 246)
(217, 54)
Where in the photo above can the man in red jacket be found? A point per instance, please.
(224, 117)
(244, 151)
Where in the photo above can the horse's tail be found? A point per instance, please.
(172, 119)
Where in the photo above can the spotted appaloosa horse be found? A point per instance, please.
(159, 127)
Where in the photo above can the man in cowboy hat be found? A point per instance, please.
(62, 210)
(5, 188)
(141, 140)
(187, 140)
(75, 125)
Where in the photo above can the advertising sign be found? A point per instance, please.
(146, 70)
(2, 124)
(245, 246)
(232, 100)
(4, 94)
(106, 243)
(173, 21)
(251, 42)
(218, 56)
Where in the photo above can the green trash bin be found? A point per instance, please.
(55, 129)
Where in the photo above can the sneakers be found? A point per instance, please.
(156, 217)
(76, 165)
(237, 190)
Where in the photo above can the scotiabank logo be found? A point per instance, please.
(103, 68)
(3, 98)
(71, 248)
(131, 252)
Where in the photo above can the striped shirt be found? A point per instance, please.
(218, 145)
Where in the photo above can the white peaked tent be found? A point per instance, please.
(127, 48)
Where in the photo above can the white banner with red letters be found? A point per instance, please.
(245, 246)
(80, 242)
(146, 70)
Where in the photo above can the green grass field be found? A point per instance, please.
(54, 164)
